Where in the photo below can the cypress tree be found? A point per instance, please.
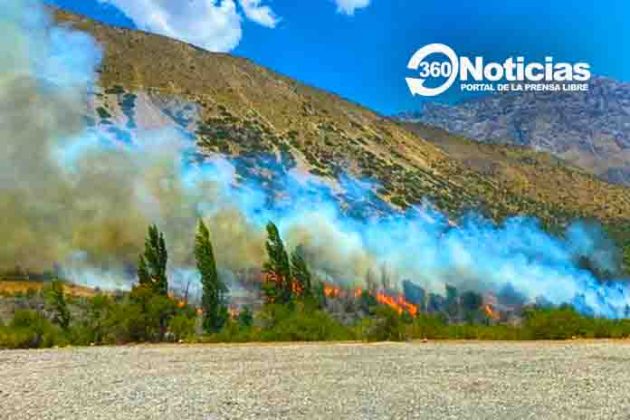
(278, 266)
(152, 263)
(213, 301)
(300, 271)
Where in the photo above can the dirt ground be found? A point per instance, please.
(458, 380)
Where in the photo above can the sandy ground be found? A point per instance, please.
(572, 380)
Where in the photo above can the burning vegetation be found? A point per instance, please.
(291, 304)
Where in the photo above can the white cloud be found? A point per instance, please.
(349, 6)
(215, 25)
(262, 15)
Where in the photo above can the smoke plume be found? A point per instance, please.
(77, 200)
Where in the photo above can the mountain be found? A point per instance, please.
(237, 108)
(589, 129)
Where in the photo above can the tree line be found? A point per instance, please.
(287, 277)
(294, 309)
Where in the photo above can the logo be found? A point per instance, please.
(438, 67)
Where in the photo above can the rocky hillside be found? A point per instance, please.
(237, 108)
(590, 130)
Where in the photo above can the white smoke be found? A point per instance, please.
(80, 199)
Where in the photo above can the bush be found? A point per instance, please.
(428, 326)
(56, 304)
(93, 328)
(182, 327)
(565, 322)
(556, 324)
(142, 316)
(386, 325)
(128, 323)
(234, 332)
(30, 329)
(246, 317)
(300, 323)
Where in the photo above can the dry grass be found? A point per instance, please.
(536, 175)
(249, 109)
(14, 287)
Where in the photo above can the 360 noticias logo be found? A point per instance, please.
(478, 75)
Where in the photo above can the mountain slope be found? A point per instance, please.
(588, 129)
(237, 108)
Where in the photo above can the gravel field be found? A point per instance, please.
(578, 379)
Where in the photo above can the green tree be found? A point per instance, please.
(182, 326)
(471, 303)
(97, 311)
(277, 266)
(143, 316)
(386, 325)
(300, 271)
(245, 317)
(152, 263)
(452, 303)
(213, 300)
(31, 329)
(56, 303)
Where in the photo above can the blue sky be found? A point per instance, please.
(361, 52)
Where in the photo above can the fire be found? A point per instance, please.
(271, 277)
(297, 288)
(233, 312)
(490, 303)
(398, 303)
(181, 303)
(331, 291)
(490, 312)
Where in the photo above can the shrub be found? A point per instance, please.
(300, 323)
(30, 329)
(232, 332)
(56, 304)
(556, 324)
(142, 316)
(98, 309)
(182, 327)
(428, 326)
(386, 325)
(246, 317)
(127, 323)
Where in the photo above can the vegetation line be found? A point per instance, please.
(296, 307)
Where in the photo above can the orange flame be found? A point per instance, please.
(271, 277)
(331, 291)
(490, 312)
(296, 287)
(233, 312)
(179, 302)
(398, 303)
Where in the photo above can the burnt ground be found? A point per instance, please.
(576, 379)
